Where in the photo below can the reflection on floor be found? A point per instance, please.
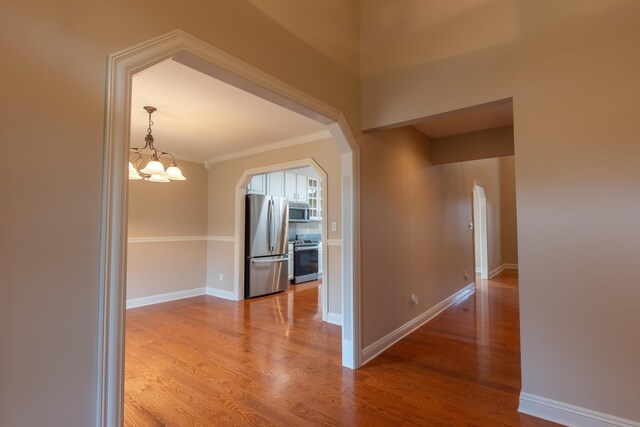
(272, 361)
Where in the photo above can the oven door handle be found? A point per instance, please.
(268, 261)
(305, 248)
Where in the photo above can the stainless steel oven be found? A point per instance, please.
(305, 262)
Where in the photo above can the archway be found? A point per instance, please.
(209, 60)
(240, 191)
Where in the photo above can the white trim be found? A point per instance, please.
(205, 58)
(571, 415)
(169, 296)
(220, 293)
(478, 270)
(162, 239)
(374, 349)
(334, 242)
(481, 227)
(221, 238)
(334, 319)
(297, 140)
(493, 273)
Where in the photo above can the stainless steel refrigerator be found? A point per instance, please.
(266, 268)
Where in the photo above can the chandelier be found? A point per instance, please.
(154, 170)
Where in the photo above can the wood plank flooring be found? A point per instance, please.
(204, 361)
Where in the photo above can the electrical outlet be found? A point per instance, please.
(221, 277)
(414, 300)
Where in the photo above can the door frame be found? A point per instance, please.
(241, 191)
(480, 228)
(203, 57)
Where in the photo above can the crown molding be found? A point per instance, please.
(296, 140)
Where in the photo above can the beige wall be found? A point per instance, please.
(220, 260)
(483, 144)
(174, 209)
(414, 230)
(508, 214)
(52, 121)
(223, 178)
(429, 248)
(163, 267)
(573, 75)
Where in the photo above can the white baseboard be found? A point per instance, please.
(493, 273)
(334, 319)
(571, 415)
(372, 350)
(220, 293)
(170, 296)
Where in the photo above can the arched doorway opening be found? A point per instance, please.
(480, 232)
(211, 61)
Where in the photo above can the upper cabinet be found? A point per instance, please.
(257, 185)
(290, 186)
(275, 184)
(295, 187)
(315, 198)
(302, 187)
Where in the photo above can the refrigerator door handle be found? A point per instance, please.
(269, 228)
(270, 260)
(273, 225)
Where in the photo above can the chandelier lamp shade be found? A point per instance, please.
(154, 171)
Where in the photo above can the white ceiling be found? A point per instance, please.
(480, 117)
(200, 118)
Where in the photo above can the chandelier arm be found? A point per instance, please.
(136, 163)
(139, 148)
(164, 153)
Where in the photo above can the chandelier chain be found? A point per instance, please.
(150, 124)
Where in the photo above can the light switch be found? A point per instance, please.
(334, 226)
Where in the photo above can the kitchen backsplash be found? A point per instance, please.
(314, 227)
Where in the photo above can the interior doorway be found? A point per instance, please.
(202, 57)
(241, 191)
(480, 232)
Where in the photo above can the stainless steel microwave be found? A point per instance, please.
(298, 212)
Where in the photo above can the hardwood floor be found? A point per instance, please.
(272, 361)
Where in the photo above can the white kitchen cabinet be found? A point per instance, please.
(290, 261)
(257, 185)
(302, 188)
(296, 187)
(290, 186)
(275, 184)
(315, 199)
